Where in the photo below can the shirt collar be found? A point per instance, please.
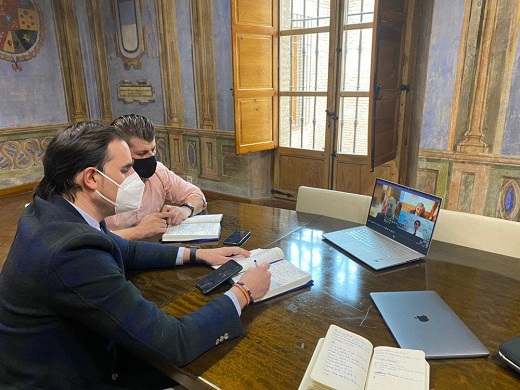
(91, 221)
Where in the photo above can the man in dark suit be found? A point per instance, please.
(68, 315)
(388, 217)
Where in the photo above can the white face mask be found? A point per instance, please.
(129, 193)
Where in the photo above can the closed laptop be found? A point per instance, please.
(422, 320)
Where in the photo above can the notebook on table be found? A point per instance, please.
(398, 229)
(422, 320)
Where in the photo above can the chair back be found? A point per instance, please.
(331, 203)
(479, 232)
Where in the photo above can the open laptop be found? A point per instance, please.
(399, 227)
(422, 320)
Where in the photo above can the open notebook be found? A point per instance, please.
(399, 227)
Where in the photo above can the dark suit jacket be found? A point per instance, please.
(65, 301)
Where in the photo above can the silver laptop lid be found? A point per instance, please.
(404, 214)
(422, 320)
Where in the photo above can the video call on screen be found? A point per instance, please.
(408, 216)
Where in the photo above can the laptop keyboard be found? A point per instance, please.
(375, 242)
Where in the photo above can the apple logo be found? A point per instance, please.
(423, 318)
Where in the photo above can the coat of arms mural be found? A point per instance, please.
(22, 31)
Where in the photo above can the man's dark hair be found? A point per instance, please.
(134, 125)
(78, 146)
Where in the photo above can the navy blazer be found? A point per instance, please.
(64, 299)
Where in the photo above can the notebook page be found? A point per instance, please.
(343, 360)
(204, 218)
(397, 368)
(194, 229)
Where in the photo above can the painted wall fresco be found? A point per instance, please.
(442, 69)
(34, 95)
(511, 142)
(185, 42)
(149, 70)
(223, 66)
(34, 98)
(88, 60)
(471, 179)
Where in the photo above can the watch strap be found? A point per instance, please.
(193, 257)
(190, 207)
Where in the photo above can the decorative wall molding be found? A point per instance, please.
(21, 152)
(71, 61)
(509, 200)
(130, 44)
(170, 63)
(100, 59)
(202, 26)
(478, 184)
(209, 158)
(473, 141)
(176, 153)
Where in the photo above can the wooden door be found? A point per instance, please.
(332, 167)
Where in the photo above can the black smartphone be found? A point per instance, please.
(237, 238)
(215, 278)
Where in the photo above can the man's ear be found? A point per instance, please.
(89, 178)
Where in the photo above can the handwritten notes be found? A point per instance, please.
(404, 368)
(345, 360)
(285, 276)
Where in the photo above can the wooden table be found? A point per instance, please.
(281, 334)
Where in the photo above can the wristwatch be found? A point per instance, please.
(193, 257)
(190, 206)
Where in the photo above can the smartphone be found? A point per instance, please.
(237, 238)
(215, 278)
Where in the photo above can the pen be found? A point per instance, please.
(256, 264)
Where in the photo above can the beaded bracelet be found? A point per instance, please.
(246, 295)
(248, 291)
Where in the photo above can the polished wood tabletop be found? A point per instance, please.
(281, 333)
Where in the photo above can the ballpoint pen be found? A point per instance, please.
(256, 264)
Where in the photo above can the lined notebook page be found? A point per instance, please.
(343, 360)
(397, 368)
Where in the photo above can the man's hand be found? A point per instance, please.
(175, 214)
(151, 225)
(258, 280)
(219, 256)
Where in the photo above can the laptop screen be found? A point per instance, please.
(406, 215)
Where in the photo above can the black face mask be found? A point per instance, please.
(145, 167)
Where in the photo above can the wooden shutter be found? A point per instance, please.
(387, 62)
(255, 74)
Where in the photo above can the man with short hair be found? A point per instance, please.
(161, 186)
(388, 217)
(68, 315)
(414, 231)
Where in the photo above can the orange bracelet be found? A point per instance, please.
(243, 290)
(248, 291)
